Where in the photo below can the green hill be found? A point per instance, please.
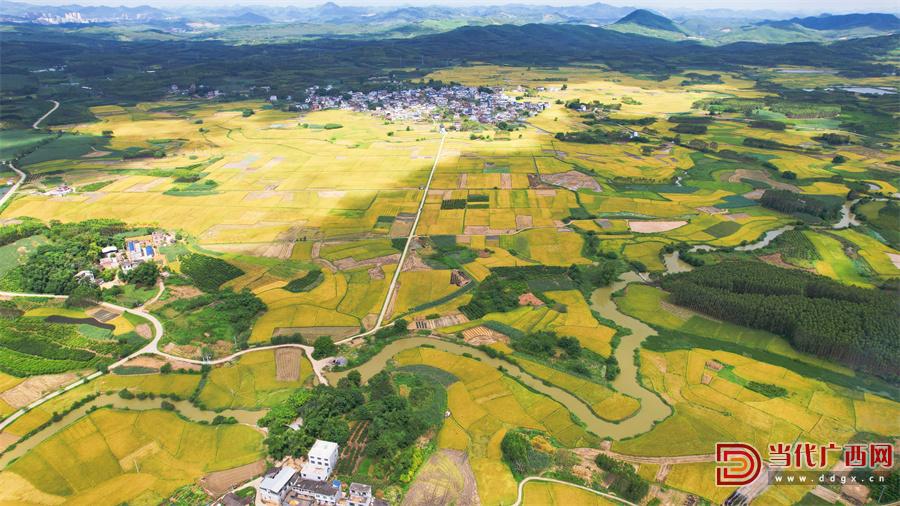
(647, 19)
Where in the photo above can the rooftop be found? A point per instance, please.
(326, 488)
(323, 449)
(277, 481)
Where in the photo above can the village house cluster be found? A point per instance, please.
(451, 103)
(285, 486)
(136, 251)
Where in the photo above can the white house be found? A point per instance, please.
(274, 486)
(320, 461)
(360, 495)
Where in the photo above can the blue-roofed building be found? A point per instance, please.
(149, 251)
(130, 246)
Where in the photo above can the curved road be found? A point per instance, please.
(553, 480)
(48, 113)
(150, 347)
(6, 196)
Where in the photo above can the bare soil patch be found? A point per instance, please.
(314, 332)
(144, 331)
(36, 387)
(157, 361)
(650, 227)
(524, 221)
(476, 336)
(287, 364)
(220, 482)
(351, 263)
(572, 180)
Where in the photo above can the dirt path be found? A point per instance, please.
(591, 453)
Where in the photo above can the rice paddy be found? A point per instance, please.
(252, 381)
(122, 456)
(281, 197)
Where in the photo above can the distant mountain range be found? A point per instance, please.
(875, 21)
(330, 20)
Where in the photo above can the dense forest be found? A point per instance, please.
(855, 326)
(117, 70)
(824, 207)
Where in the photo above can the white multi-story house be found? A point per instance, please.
(320, 461)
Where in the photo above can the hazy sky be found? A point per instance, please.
(810, 6)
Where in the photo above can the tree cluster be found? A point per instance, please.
(856, 326)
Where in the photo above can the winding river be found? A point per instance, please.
(652, 410)
(185, 408)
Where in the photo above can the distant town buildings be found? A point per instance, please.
(451, 103)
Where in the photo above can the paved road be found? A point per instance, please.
(48, 113)
(551, 480)
(409, 239)
(151, 347)
(8, 195)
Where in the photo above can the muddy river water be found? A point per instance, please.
(652, 410)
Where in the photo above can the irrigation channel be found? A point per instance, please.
(652, 410)
(183, 407)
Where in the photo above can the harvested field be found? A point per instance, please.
(287, 364)
(481, 335)
(35, 387)
(524, 221)
(314, 332)
(220, 482)
(572, 180)
(156, 361)
(436, 323)
(652, 227)
(446, 479)
(101, 314)
(349, 263)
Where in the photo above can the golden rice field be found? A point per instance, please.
(114, 457)
(483, 405)
(289, 196)
(250, 382)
